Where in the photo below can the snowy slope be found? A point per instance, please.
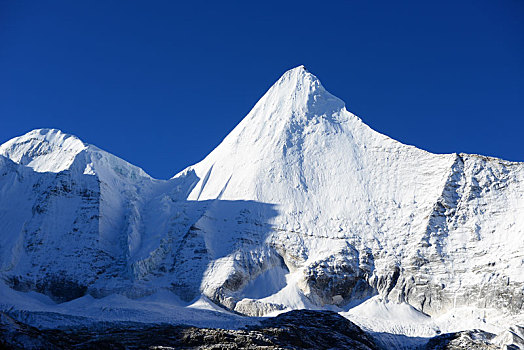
(69, 213)
(301, 206)
(360, 214)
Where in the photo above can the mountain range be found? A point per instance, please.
(302, 206)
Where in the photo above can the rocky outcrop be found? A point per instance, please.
(474, 340)
(294, 330)
(337, 279)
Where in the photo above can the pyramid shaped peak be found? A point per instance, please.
(298, 70)
(297, 93)
(297, 77)
(295, 103)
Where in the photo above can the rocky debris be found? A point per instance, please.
(256, 308)
(473, 340)
(316, 329)
(512, 338)
(300, 329)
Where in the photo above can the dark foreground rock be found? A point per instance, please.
(301, 329)
(473, 340)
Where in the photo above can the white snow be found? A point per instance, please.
(300, 190)
(161, 307)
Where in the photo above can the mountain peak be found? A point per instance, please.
(297, 94)
(51, 150)
(44, 149)
(48, 134)
(55, 137)
(297, 78)
(300, 71)
(294, 116)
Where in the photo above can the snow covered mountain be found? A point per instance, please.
(301, 206)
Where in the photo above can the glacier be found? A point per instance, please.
(302, 206)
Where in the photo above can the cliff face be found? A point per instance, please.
(301, 206)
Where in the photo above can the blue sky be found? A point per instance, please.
(161, 83)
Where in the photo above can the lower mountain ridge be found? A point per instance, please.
(302, 206)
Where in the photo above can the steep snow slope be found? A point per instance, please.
(70, 214)
(359, 213)
(301, 206)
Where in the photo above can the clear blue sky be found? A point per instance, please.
(161, 83)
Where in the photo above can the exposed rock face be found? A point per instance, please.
(475, 340)
(301, 206)
(512, 338)
(294, 330)
(337, 279)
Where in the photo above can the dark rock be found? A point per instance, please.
(300, 329)
(473, 340)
